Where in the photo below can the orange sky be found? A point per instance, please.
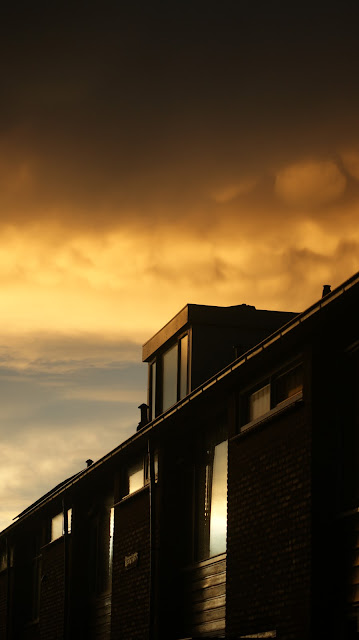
(149, 159)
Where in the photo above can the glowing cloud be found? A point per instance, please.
(310, 184)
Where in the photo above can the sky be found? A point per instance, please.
(154, 155)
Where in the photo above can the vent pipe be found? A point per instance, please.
(326, 289)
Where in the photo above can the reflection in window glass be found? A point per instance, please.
(153, 390)
(183, 366)
(3, 559)
(259, 402)
(212, 503)
(288, 384)
(112, 527)
(169, 389)
(135, 477)
(57, 526)
(218, 519)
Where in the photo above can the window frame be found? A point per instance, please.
(156, 375)
(203, 495)
(69, 524)
(144, 462)
(275, 405)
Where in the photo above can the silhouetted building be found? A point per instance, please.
(232, 511)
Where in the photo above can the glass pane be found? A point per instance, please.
(135, 477)
(183, 366)
(259, 402)
(218, 521)
(153, 390)
(112, 527)
(57, 527)
(169, 396)
(69, 520)
(289, 384)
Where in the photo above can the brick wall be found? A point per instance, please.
(130, 586)
(52, 591)
(269, 529)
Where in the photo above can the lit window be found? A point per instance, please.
(138, 475)
(280, 388)
(183, 390)
(101, 528)
(136, 478)
(152, 389)
(175, 373)
(58, 525)
(3, 559)
(169, 373)
(259, 402)
(211, 505)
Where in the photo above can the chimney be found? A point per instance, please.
(89, 462)
(326, 289)
(144, 415)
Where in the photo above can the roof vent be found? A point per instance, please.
(89, 462)
(144, 408)
(326, 289)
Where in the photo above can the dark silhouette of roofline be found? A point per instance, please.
(273, 338)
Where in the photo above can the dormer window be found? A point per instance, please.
(168, 377)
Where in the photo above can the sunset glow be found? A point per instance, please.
(183, 159)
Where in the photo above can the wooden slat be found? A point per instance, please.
(210, 603)
(208, 627)
(209, 582)
(208, 570)
(210, 592)
(207, 616)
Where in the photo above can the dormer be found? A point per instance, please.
(197, 343)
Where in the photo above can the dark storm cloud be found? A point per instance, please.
(134, 112)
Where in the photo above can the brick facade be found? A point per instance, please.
(269, 530)
(130, 586)
(52, 591)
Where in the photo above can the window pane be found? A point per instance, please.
(57, 527)
(112, 528)
(218, 522)
(153, 390)
(169, 396)
(289, 384)
(69, 520)
(259, 402)
(135, 477)
(183, 366)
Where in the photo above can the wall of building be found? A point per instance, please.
(131, 568)
(269, 528)
(52, 604)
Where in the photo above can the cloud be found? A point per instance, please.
(310, 184)
(230, 192)
(351, 163)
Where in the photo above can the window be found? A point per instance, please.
(259, 402)
(58, 526)
(3, 559)
(211, 507)
(169, 373)
(168, 377)
(138, 475)
(279, 389)
(101, 548)
(152, 386)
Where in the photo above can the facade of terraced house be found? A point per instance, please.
(233, 509)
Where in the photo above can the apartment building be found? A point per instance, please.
(233, 509)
